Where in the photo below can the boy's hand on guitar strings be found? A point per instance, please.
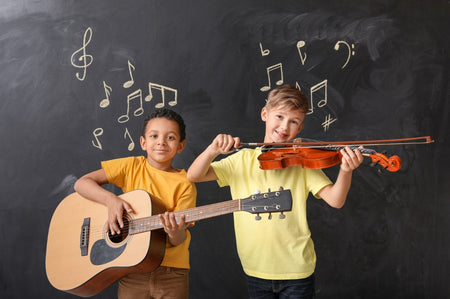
(175, 231)
(116, 209)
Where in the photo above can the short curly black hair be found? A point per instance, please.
(169, 114)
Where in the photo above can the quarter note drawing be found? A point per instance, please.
(274, 67)
(350, 50)
(300, 45)
(97, 132)
(137, 94)
(321, 89)
(264, 52)
(84, 60)
(128, 135)
(328, 121)
(130, 82)
(106, 101)
(163, 89)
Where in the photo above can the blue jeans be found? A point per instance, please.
(283, 289)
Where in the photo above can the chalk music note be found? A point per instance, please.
(137, 94)
(277, 66)
(97, 132)
(324, 99)
(163, 89)
(130, 82)
(350, 51)
(105, 102)
(85, 59)
(131, 144)
(264, 52)
(301, 44)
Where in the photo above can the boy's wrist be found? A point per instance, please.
(212, 152)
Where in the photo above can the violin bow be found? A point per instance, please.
(303, 142)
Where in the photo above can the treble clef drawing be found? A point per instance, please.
(84, 60)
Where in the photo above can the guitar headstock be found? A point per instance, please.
(270, 202)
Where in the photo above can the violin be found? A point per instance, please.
(319, 154)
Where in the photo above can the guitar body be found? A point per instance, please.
(83, 259)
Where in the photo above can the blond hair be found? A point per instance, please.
(289, 96)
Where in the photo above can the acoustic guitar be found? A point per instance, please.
(82, 258)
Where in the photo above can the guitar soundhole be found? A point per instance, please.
(117, 238)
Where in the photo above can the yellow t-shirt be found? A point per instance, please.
(277, 248)
(173, 188)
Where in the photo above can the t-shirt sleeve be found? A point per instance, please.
(116, 169)
(316, 180)
(223, 168)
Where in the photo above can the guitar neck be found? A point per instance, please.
(194, 214)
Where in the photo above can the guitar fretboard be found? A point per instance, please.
(153, 222)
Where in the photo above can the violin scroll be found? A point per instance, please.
(391, 164)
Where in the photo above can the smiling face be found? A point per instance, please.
(162, 141)
(282, 123)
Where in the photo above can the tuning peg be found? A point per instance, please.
(281, 216)
(270, 216)
(281, 188)
(269, 190)
(257, 217)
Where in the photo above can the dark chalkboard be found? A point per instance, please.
(371, 69)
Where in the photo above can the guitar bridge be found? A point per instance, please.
(84, 236)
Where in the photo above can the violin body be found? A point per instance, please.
(305, 157)
(319, 158)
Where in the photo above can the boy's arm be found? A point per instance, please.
(89, 186)
(336, 194)
(201, 170)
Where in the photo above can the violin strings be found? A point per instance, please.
(355, 145)
(321, 144)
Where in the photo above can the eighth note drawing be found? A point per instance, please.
(137, 94)
(130, 82)
(163, 89)
(301, 44)
(85, 59)
(274, 67)
(131, 144)
(350, 51)
(264, 52)
(105, 102)
(97, 132)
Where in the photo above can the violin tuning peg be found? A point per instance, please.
(281, 216)
(257, 217)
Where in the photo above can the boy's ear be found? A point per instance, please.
(142, 142)
(181, 146)
(264, 114)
